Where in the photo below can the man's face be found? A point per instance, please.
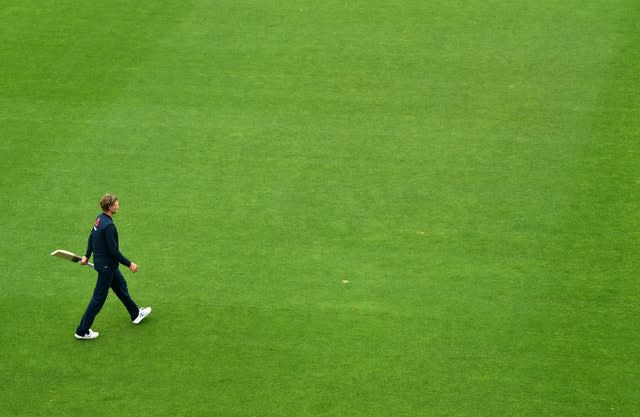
(114, 207)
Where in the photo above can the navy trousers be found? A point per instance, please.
(108, 277)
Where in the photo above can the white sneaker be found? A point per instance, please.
(144, 312)
(88, 336)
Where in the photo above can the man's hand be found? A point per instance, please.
(84, 260)
(133, 267)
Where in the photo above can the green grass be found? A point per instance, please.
(470, 168)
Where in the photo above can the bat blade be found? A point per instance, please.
(68, 255)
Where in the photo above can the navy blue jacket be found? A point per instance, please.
(103, 243)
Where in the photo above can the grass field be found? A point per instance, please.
(339, 208)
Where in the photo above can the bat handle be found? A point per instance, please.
(90, 264)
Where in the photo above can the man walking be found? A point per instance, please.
(103, 243)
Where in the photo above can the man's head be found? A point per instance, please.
(109, 204)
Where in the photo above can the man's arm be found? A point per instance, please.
(89, 251)
(112, 248)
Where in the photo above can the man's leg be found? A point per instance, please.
(119, 287)
(97, 301)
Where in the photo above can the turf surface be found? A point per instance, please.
(339, 208)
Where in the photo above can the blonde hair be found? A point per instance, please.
(107, 201)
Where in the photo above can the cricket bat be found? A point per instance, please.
(70, 256)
